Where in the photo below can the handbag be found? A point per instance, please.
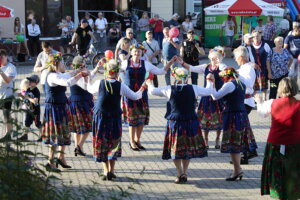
(157, 57)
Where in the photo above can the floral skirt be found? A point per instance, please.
(183, 140)
(261, 81)
(280, 176)
(55, 130)
(135, 113)
(210, 113)
(81, 117)
(237, 133)
(107, 134)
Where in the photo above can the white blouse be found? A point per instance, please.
(264, 108)
(62, 79)
(200, 69)
(247, 75)
(149, 68)
(227, 88)
(93, 88)
(166, 90)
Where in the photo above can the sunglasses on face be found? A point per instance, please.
(130, 33)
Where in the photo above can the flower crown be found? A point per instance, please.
(137, 46)
(218, 50)
(54, 58)
(179, 73)
(77, 66)
(110, 71)
(229, 72)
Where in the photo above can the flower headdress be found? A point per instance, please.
(218, 50)
(54, 59)
(111, 68)
(137, 46)
(78, 62)
(180, 74)
(230, 72)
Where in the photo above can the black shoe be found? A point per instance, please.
(104, 178)
(252, 155)
(133, 149)
(40, 139)
(24, 138)
(109, 176)
(240, 176)
(181, 179)
(113, 175)
(51, 169)
(140, 146)
(77, 150)
(59, 162)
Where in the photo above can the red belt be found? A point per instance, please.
(247, 96)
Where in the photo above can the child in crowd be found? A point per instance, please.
(31, 98)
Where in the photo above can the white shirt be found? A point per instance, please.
(166, 90)
(62, 79)
(155, 46)
(229, 27)
(264, 108)
(188, 26)
(93, 88)
(22, 27)
(41, 61)
(33, 30)
(91, 22)
(227, 88)
(6, 89)
(284, 25)
(101, 24)
(247, 76)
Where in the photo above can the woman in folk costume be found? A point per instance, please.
(81, 107)
(259, 54)
(183, 137)
(107, 124)
(237, 134)
(210, 111)
(247, 76)
(55, 130)
(280, 176)
(136, 113)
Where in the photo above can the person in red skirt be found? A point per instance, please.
(107, 124)
(183, 136)
(55, 130)
(81, 107)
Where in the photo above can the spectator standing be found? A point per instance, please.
(34, 33)
(174, 21)
(229, 27)
(280, 171)
(135, 20)
(260, 27)
(143, 25)
(101, 26)
(284, 27)
(125, 22)
(8, 73)
(248, 39)
(152, 52)
(130, 36)
(114, 34)
(158, 26)
(40, 64)
(125, 50)
(190, 51)
(278, 63)
(89, 19)
(170, 49)
(83, 37)
(270, 32)
(19, 29)
(187, 25)
(292, 43)
(64, 41)
(71, 28)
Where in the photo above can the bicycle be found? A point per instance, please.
(91, 57)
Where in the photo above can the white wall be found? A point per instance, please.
(162, 7)
(189, 6)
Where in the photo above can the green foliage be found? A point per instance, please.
(21, 178)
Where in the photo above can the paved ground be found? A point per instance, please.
(206, 176)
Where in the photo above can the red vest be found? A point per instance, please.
(285, 127)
